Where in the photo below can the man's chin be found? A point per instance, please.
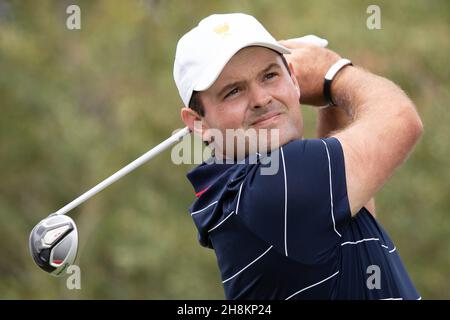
(245, 142)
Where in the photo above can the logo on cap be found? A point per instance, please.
(222, 29)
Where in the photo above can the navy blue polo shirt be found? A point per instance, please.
(290, 235)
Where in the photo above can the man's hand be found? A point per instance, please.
(310, 64)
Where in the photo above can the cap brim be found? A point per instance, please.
(212, 73)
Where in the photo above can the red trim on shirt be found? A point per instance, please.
(198, 194)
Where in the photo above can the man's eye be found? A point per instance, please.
(270, 75)
(232, 92)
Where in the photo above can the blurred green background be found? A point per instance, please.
(77, 105)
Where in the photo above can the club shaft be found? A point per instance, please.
(125, 170)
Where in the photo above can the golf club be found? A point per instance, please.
(54, 240)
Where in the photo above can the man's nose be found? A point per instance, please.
(260, 97)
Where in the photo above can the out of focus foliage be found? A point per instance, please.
(77, 105)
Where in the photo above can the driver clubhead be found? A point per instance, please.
(54, 243)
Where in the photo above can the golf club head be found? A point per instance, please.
(54, 243)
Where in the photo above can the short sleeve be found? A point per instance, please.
(300, 205)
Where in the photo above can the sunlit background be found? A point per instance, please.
(77, 105)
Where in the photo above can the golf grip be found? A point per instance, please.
(125, 170)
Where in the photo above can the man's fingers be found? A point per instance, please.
(304, 41)
(287, 44)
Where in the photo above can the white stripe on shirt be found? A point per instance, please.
(331, 188)
(247, 265)
(239, 197)
(368, 239)
(198, 211)
(359, 241)
(285, 203)
(313, 285)
(221, 222)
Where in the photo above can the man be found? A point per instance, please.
(306, 231)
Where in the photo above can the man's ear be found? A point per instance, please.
(193, 121)
(294, 79)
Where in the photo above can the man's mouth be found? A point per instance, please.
(266, 118)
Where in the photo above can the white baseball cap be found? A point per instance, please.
(203, 52)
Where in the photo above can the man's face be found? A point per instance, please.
(254, 91)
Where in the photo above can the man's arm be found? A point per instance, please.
(385, 125)
(385, 129)
(331, 120)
